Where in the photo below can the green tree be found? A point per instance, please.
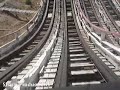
(28, 2)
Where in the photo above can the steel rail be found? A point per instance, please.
(116, 4)
(96, 28)
(113, 58)
(103, 69)
(106, 72)
(14, 68)
(63, 76)
(114, 8)
(110, 17)
(42, 59)
(94, 12)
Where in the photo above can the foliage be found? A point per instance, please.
(28, 2)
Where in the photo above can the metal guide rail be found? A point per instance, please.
(111, 9)
(102, 18)
(112, 13)
(44, 61)
(10, 65)
(94, 15)
(48, 75)
(80, 55)
(107, 23)
(81, 60)
(80, 66)
(92, 28)
(108, 27)
(107, 57)
(116, 4)
(91, 14)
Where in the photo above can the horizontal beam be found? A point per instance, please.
(16, 10)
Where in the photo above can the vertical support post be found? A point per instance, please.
(16, 36)
(92, 29)
(103, 36)
(0, 52)
(36, 19)
(27, 29)
(118, 40)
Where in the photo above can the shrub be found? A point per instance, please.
(28, 2)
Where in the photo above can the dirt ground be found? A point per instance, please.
(20, 4)
(10, 22)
